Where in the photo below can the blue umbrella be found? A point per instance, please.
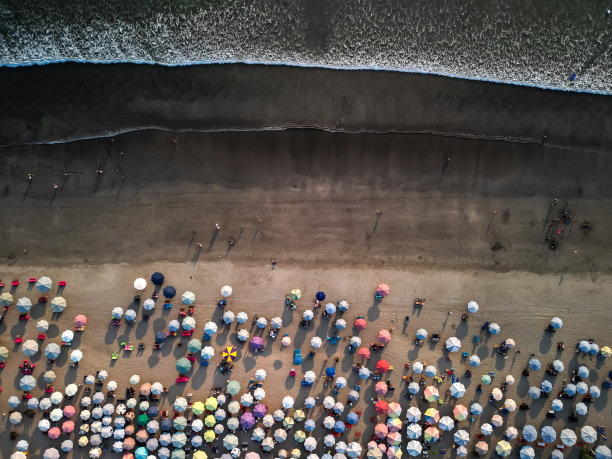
(339, 427)
(530, 433)
(570, 389)
(352, 418)
(593, 349)
(547, 386)
(160, 337)
(320, 296)
(330, 372)
(169, 291)
(548, 434)
(141, 453)
(166, 424)
(557, 405)
(584, 346)
(153, 412)
(157, 278)
(535, 364)
(310, 425)
(476, 409)
(534, 392)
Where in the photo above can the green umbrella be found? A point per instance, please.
(178, 454)
(233, 387)
(142, 420)
(179, 423)
(183, 365)
(486, 379)
(194, 345)
(4, 352)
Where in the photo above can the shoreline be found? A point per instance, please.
(64, 102)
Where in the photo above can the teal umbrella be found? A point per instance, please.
(141, 453)
(194, 345)
(233, 387)
(179, 423)
(183, 365)
(178, 454)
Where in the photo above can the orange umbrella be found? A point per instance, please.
(360, 324)
(80, 320)
(381, 388)
(381, 407)
(382, 289)
(129, 429)
(364, 353)
(382, 366)
(384, 336)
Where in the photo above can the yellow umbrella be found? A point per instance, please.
(211, 404)
(209, 436)
(200, 455)
(83, 441)
(229, 353)
(210, 421)
(299, 415)
(296, 294)
(299, 436)
(288, 423)
(198, 408)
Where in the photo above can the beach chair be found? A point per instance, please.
(15, 283)
(18, 339)
(43, 299)
(32, 280)
(182, 379)
(61, 283)
(167, 305)
(24, 316)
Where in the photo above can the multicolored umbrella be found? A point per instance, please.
(229, 354)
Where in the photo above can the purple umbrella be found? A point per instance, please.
(259, 411)
(256, 343)
(247, 420)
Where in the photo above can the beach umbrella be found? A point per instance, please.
(354, 449)
(247, 420)
(68, 426)
(352, 418)
(246, 400)
(534, 364)
(71, 389)
(309, 377)
(330, 308)
(343, 306)
(558, 365)
(486, 429)
(228, 317)
(163, 453)
(496, 420)
(219, 429)
(510, 405)
(130, 315)
(233, 407)
(76, 355)
(603, 452)
(594, 391)
(474, 360)
(329, 441)
(267, 444)
(299, 436)
(476, 409)
(310, 402)
(198, 407)
(233, 424)
(6, 299)
(24, 305)
(413, 431)
(503, 448)
(179, 423)
(197, 425)
(149, 304)
(22, 445)
(84, 441)
(382, 366)
(605, 352)
(56, 414)
(134, 379)
(30, 347)
(414, 388)
(432, 416)
(98, 398)
(27, 383)
(44, 284)
(364, 373)
(111, 386)
(295, 294)
(310, 444)
(355, 341)
(360, 323)
(338, 408)
(256, 343)
(194, 345)
(527, 452)
(45, 404)
(511, 433)
(188, 298)
(42, 326)
(453, 344)
(58, 304)
(413, 414)
(556, 323)
(364, 353)
(268, 420)
(583, 371)
(472, 307)
(44, 425)
(32, 403)
(169, 292)
(581, 409)
(381, 388)
(584, 346)
(183, 365)
(460, 412)
(384, 336)
(262, 322)
(546, 386)
(67, 336)
(394, 424)
(494, 328)
(307, 314)
(457, 390)
(189, 323)
(13, 401)
(54, 433)
(242, 317)
(496, 394)
(141, 453)
(581, 387)
(557, 405)
(152, 426)
(570, 389)
(530, 433)
(414, 448)
(446, 423)
(179, 439)
(140, 284)
(180, 404)
(548, 434)
(461, 437)
(382, 289)
(210, 421)
(417, 368)
(226, 291)
(15, 417)
(157, 278)
(316, 342)
(117, 313)
(288, 402)
(329, 422)
(430, 371)
(340, 324)
(481, 448)
(51, 453)
(280, 435)
(233, 387)
(210, 328)
(431, 394)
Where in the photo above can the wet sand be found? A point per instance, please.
(317, 194)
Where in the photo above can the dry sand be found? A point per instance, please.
(317, 195)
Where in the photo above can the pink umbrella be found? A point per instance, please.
(67, 426)
(384, 336)
(364, 353)
(382, 290)
(69, 411)
(381, 430)
(53, 433)
(360, 324)
(259, 411)
(129, 444)
(256, 343)
(80, 320)
(381, 388)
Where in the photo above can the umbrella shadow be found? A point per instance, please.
(374, 310)
(141, 329)
(111, 334)
(462, 330)
(546, 343)
(38, 311)
(199, 377)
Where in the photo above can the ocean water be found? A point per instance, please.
(537, 43)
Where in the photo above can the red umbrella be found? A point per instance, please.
(381, 388)
(360, 324)
(382, 289)
(53, 433)
(364, 353)
(80, 320)
(381, 407)
(382, 366)
(384, 336)
(67, 426)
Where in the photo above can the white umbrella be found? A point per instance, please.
(44, 425)
(474, 361)
(461, 437)
(148, 304)
(58, 304)
(457, 390)
(288, 402)
(414, 448)
(340, 382)
(446, 423)
(27, 383)
(414, 388)
(307, 314)
(259, 394)
(71, 390)
(188, 298)
(134, 379)
(42, 326)
(44, 284)
(329, 440)
(417, 368)
(328, 402)
(51, 453)
(140, 284)
(556, 323)
(76, 355)
(355, 341)
(22, 445)
(581, 409)
(226, 291)
(228, 317)
(117, 313)
(557, 405)
(157, 388)
(189, 323)
(413, 414)
(527, 452)
(210, 328)
(354, 449)
(568, 437)
(30, 347)
(15, 417)
(13, 401)
(472, 307)
(207, 353)
(494, 328)
(286, 341)
(603, 452)
(246, 399)
(453, 344)
(33, 403)
(340, 324)
(45, 404)
(52, 351)
(583, 372)
(486, 429)
(276, 322)
(582, 388)
(330, 308)
(310, 444)
(130, 314)
(430, 371)
(280, 435)
(594, 391)
(24, 305)
(67, 336)
(242, 317)
(243, 335)
(260, 374)
(262, 322)
(558, 365)
(414, 431)
(329, 422)
(316, 342)
(310, 402)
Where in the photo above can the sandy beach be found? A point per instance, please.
(462, 219)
